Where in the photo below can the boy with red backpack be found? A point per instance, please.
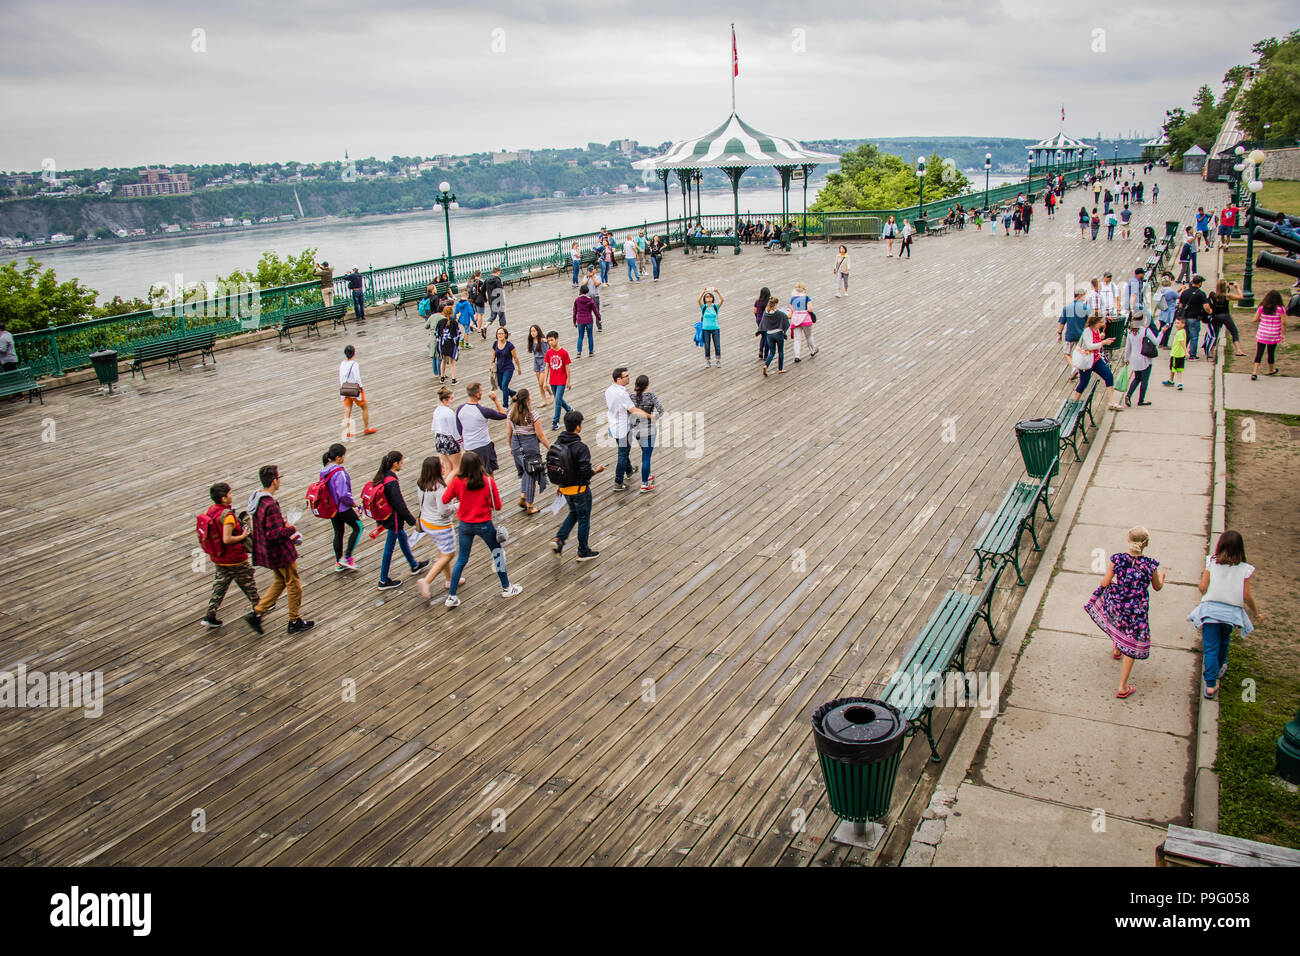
(221, 542)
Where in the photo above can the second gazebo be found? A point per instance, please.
(734, 147)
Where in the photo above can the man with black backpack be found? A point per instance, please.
(496, 299)
(568, 466)
(478, 299)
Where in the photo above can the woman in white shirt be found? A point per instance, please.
(841, 271)
(353, 393)
(436, 521)
(1225, 590)
(446, 433)
(1139, 364)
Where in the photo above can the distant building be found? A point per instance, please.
(1194, 160)
(601, 163)
(171, 227)
(349, 174)
(158, 182)
(521, 156)
(627, 147)
(558, 194)
(571, 163)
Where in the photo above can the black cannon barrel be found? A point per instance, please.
(1277, 239)
(1268, 260)
(1269, 214)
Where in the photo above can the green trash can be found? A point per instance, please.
(1040, 444)
(919, 226)
(1171, 228)
(859, 745)
(105, 365)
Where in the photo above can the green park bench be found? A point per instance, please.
(710, 243)
(416, 293)
(589, 257)
(1071, 415)
(937, 228)
(519, 273)
(939, 648)
(20, 381)
(1015, 516)
(308, 319)
(172, 349)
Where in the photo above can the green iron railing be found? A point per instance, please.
(55, 350)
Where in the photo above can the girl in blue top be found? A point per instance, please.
(710, 301)
(801, 320)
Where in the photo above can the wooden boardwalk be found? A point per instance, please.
(788, 558)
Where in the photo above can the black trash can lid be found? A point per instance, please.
(1032, 426)
(103, 354)
(858, 729)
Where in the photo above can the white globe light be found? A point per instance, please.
(1257, 156)
(1254, 185)
(1239, 167)
(444, 186)
(1240, 150)
(455, 205)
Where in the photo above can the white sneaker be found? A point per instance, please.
(452, 601)
(510, 591)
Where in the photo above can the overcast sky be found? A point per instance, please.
(123, 83)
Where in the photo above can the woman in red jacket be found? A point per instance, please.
(478, 496)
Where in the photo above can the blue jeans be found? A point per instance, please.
(560, 403)
(591, 337)
(624, 466)
(632, 271)
(396, 536)
(465, 535)
(503, 380)
(604, 271)
(654, 264)
(1110, 231)
(712, 337)
(359, 303)
(1103, 373)
(1193, 337)
(437, 357)
(579, 514)
(647, 449)
(577, 264)
(1215, 638)
(775, 348)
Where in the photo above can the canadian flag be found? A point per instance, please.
(1062, 113)
(735, 58)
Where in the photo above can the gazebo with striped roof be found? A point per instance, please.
(734, 147)
(1060, 147)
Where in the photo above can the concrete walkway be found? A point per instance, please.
(1277, 395)
(1069, 774)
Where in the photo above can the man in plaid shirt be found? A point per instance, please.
(274, 547)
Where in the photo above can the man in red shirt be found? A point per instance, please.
(558, 361)
(1227, 219)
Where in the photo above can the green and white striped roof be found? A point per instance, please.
(1059, 141)
(735, 143)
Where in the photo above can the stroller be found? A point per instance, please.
(1149, 237)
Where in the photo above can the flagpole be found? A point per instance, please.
(733, 68)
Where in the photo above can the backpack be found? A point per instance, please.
(374, 503)
(425, 308)
(208, 527)
(562, 466)
(319, 497)
(476, 292)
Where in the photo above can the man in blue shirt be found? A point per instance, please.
(1074, 318)
(1202, 228)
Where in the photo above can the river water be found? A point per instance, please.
(130, 268)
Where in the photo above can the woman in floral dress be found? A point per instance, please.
(1120, 605)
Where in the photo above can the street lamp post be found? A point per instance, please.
(920, 198)
(447, 200)
(1255, 159)
(988, 167)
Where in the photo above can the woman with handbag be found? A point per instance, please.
(841, 271)
(537, 348)
(526, 443)
(446, 433)
(1087, 359)
(1139, 349)
(447, 334)
(353, 393)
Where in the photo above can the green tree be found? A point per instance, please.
(1275, 97)
(34, 299)
(869, 178)
(272, 271)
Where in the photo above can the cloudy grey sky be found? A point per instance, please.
(90, 83)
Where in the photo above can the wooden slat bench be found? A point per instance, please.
(407, 296)
(172, 349)
(19, 381)
(588, 258)
(1071, 415)
(308, 319)
(1184, 846)
(512, 274)
(939, 648)
(710, 243)
(936, 229)
(1015, 516)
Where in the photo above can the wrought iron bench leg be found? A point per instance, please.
(923, 723)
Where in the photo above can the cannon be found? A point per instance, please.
(1276, 239)
(1269, 260)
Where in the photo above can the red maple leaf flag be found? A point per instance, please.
(1062, 114)
(735, 58)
